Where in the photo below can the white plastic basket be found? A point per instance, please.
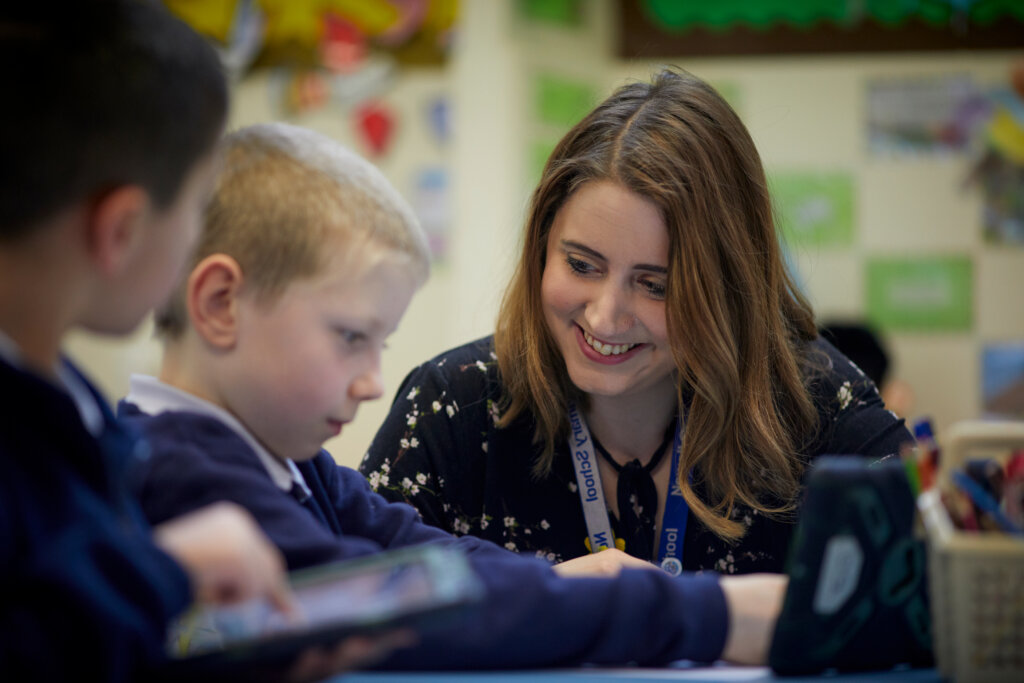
(976, 579)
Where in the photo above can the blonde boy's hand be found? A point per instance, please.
(605, 563)
(226, 555)
(754, 602)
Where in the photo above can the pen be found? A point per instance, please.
(928, 461)
(909, 458)
(984, 502)
(1013, 490)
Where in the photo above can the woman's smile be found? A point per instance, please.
(606, 352)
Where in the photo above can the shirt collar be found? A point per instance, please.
(88, 409)
(154, 397)
(9, 352)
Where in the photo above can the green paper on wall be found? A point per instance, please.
(565, 13)
(921, 294)
(815, 209)
(562, 101)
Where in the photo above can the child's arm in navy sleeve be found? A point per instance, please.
(92, 604)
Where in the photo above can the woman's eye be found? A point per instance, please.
(654, 288)
(578, 265)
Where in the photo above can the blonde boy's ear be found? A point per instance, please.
(113, 225)
(211, 298)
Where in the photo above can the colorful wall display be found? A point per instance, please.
(341, 52)
(332, 33)
(999, 170)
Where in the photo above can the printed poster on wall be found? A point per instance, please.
(923, 116)
(920, 294)
(1002, 379)
(814, 209)
(431, 200)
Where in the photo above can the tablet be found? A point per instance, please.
(408, 587)
(857, 594)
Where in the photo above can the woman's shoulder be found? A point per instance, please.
(829, 369)
(853, 418)
(477, 351)
(466, 374)
(835, 383)
(474, 362)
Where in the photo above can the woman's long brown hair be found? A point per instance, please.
(737, 323)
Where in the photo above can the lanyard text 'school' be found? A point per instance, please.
(595, 512)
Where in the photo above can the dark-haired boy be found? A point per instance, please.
(107, 136)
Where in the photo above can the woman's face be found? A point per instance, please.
(603, 292)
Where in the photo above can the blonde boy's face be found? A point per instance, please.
(304, 363)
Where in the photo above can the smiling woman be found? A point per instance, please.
(653, 363)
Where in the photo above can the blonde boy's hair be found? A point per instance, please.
(284, 196)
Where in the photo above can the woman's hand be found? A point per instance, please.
(754, 601)
(608, 562)
(226, 555)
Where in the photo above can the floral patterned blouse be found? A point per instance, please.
(440, 450)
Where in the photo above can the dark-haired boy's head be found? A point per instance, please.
(100, 94)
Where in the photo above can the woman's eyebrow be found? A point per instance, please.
(569, 244)
(596, 254)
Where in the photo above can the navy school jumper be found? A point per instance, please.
(529, 618)
(84, 592)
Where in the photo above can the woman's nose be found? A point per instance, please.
(610, 312)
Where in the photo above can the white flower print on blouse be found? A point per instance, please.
(845, 395)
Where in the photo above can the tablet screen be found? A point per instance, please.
(359, 593)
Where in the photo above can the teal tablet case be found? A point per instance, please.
(857, 596)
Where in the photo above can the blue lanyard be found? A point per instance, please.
(588, 480)
(595, 512)
(677, 512)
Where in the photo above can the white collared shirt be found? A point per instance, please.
(154, 397)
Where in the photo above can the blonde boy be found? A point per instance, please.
(306, 264)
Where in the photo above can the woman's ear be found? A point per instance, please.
(211, 299)
(113, 227)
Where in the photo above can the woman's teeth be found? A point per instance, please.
(607, 349)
